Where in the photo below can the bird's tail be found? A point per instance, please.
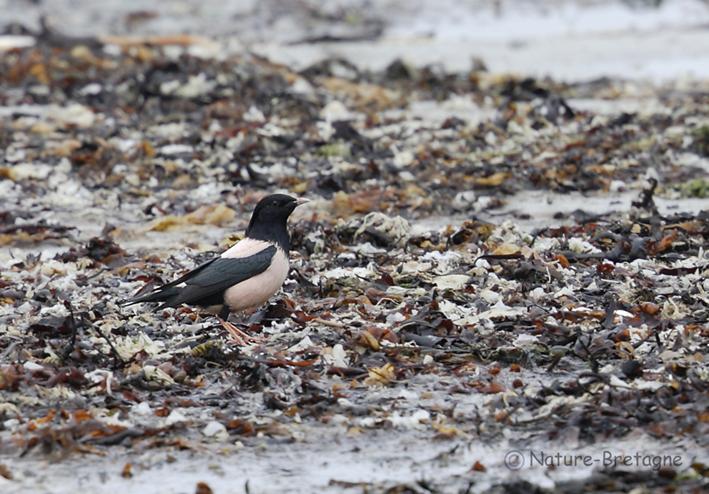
(162, 294)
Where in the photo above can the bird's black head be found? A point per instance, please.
(268, 221)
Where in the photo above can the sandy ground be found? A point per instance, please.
(563, 39)
(342, 465)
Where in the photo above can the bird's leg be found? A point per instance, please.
(240, 337)
(235, 332)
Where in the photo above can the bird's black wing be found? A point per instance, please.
(221, 274)
(168, 290)
(209, 280)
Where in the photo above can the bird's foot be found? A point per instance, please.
(240, 337)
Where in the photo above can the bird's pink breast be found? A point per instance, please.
(257, 290)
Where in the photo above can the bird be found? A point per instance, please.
(246, 275)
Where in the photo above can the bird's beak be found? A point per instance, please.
(301, 200)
